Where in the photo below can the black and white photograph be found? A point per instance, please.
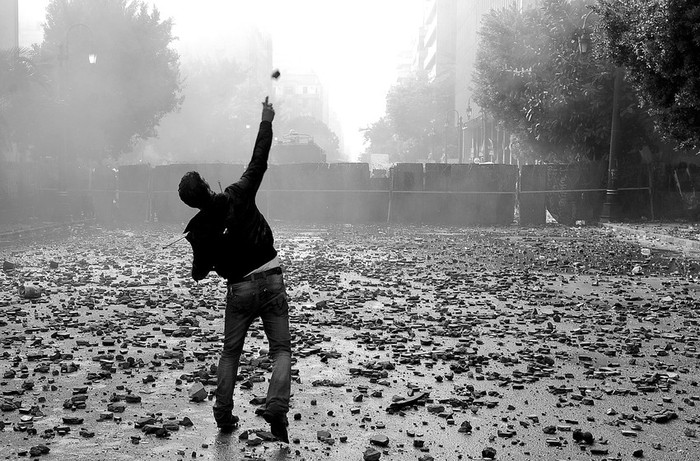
(350, 230)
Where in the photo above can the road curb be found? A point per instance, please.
(668, 241)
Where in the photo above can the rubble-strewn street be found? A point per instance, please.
(410, 343)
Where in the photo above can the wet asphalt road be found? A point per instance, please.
(515, 331)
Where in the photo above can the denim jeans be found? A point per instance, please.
(246, 301)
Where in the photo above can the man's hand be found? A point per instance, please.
(268, 113)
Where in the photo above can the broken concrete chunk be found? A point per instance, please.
(29, 291)
(371, 454)
(39, 450)
(466, 427)
(380, 440)
(72, 420)
(197, 392)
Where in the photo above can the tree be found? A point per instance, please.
(21, 89)
(417, 111)
(106, 107)
(657, 43)
(322, 134)
(380, 139)
(532, 76)
(217, 119)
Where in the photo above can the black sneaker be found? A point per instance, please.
(278, 427)
(226, 422)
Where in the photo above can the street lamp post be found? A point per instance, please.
(469, 117)
(611, 204)
(460, 136)
(610, 211)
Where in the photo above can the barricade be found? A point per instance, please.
(585, 186)
(265, 195)
(166, 205)
(507, 183)
(576, 192)
(10, 181)
(349, 182)
(531, 195)
(28, 192)
(437, 199)
(377, 201)
(49, 205)
(132, 193)
(670, 197)
(103, 190)
(634, 192)
(406, 201)
(483, 194)
(79, 197)
(464, 207)
(452, 194)
(292, 192)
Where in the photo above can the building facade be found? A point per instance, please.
(447, 54)
(302, 95)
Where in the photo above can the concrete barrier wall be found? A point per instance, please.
(448, 194)
(349, 199)
(406, 204)
(291, 192)
(133, 186)
(484, 194)
(103, 190)
(532, 198)
(437, 203)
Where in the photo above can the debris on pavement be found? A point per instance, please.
(409, 343)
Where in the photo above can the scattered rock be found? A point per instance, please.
(371, 454)
(197, 392)
(465, 427)
(39, 450)
(29, 291)
(380, 440)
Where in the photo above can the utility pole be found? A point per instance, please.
(611, 206)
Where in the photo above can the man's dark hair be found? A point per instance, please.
(194, 191)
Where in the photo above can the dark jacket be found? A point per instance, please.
(231, 236)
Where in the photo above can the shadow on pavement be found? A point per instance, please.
(227, 447)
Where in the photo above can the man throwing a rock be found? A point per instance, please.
(231, 236)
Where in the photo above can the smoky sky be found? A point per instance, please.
(353, 46)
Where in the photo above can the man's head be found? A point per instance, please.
(194, 191)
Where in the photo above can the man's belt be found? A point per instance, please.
(261, 275)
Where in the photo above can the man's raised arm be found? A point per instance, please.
(253, 175)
